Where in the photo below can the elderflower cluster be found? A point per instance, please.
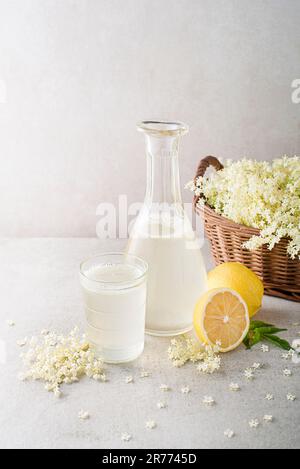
(184, 348)
(263, 195)
(57, 359)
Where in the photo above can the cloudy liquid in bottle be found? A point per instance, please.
(176, 278)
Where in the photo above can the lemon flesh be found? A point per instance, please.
(238, 277)
(221, 318)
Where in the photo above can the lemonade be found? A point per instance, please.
(114, 291)
(176, 276)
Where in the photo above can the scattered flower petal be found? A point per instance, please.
(265, 348)
(254, 423)
(269, 397)
(83, 415)
(257, 366)
(229, 433)
(208, 400)
(22, 342)
(161, 405)
(249, 374)
(185, 389)
(10, 322)
(144, 374)
(268, 418)
(290, 397)
(57, 392)
(164, 387)
(295, 346)
(287, 372)
(129, 379)
(126, 436)
(234, 387)
(150, 424)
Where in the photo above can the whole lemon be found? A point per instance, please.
(238, 277)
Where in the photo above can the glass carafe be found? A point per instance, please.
(163, 236)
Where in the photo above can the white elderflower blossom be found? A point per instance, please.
(126, 436)
(248, 373)
(151, 424)
(295, 347)
(57, 359)
(22, 342)
(185, 389)
(208, 400)
(83, 415)
(264, 348)
(161, 405)
(287, 372)
(290, 397)
(268, 418)
(253, 423)
(10, 322)
(234, 387)
(257, 366)
(269, 397)
(259, 194)
(185, 348)
(57, 392)
(97, 377)
(144, 374)
(164, 387)
(229, 433)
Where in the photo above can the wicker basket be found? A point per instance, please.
(279, 273)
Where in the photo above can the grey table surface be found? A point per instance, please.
(39, 289)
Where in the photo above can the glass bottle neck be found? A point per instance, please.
(163, 182)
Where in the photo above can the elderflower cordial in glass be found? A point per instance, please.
(114, 291)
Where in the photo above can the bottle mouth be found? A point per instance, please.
(162, 128)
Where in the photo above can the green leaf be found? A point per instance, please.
(256, 324)
(270, 330)
(281, 343)
(252, 338)
(259, 331)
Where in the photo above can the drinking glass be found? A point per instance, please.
(114, 292)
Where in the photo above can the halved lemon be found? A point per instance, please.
(221, 318)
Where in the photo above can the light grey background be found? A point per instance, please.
(78, 74)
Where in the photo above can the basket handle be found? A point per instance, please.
(201, 169)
